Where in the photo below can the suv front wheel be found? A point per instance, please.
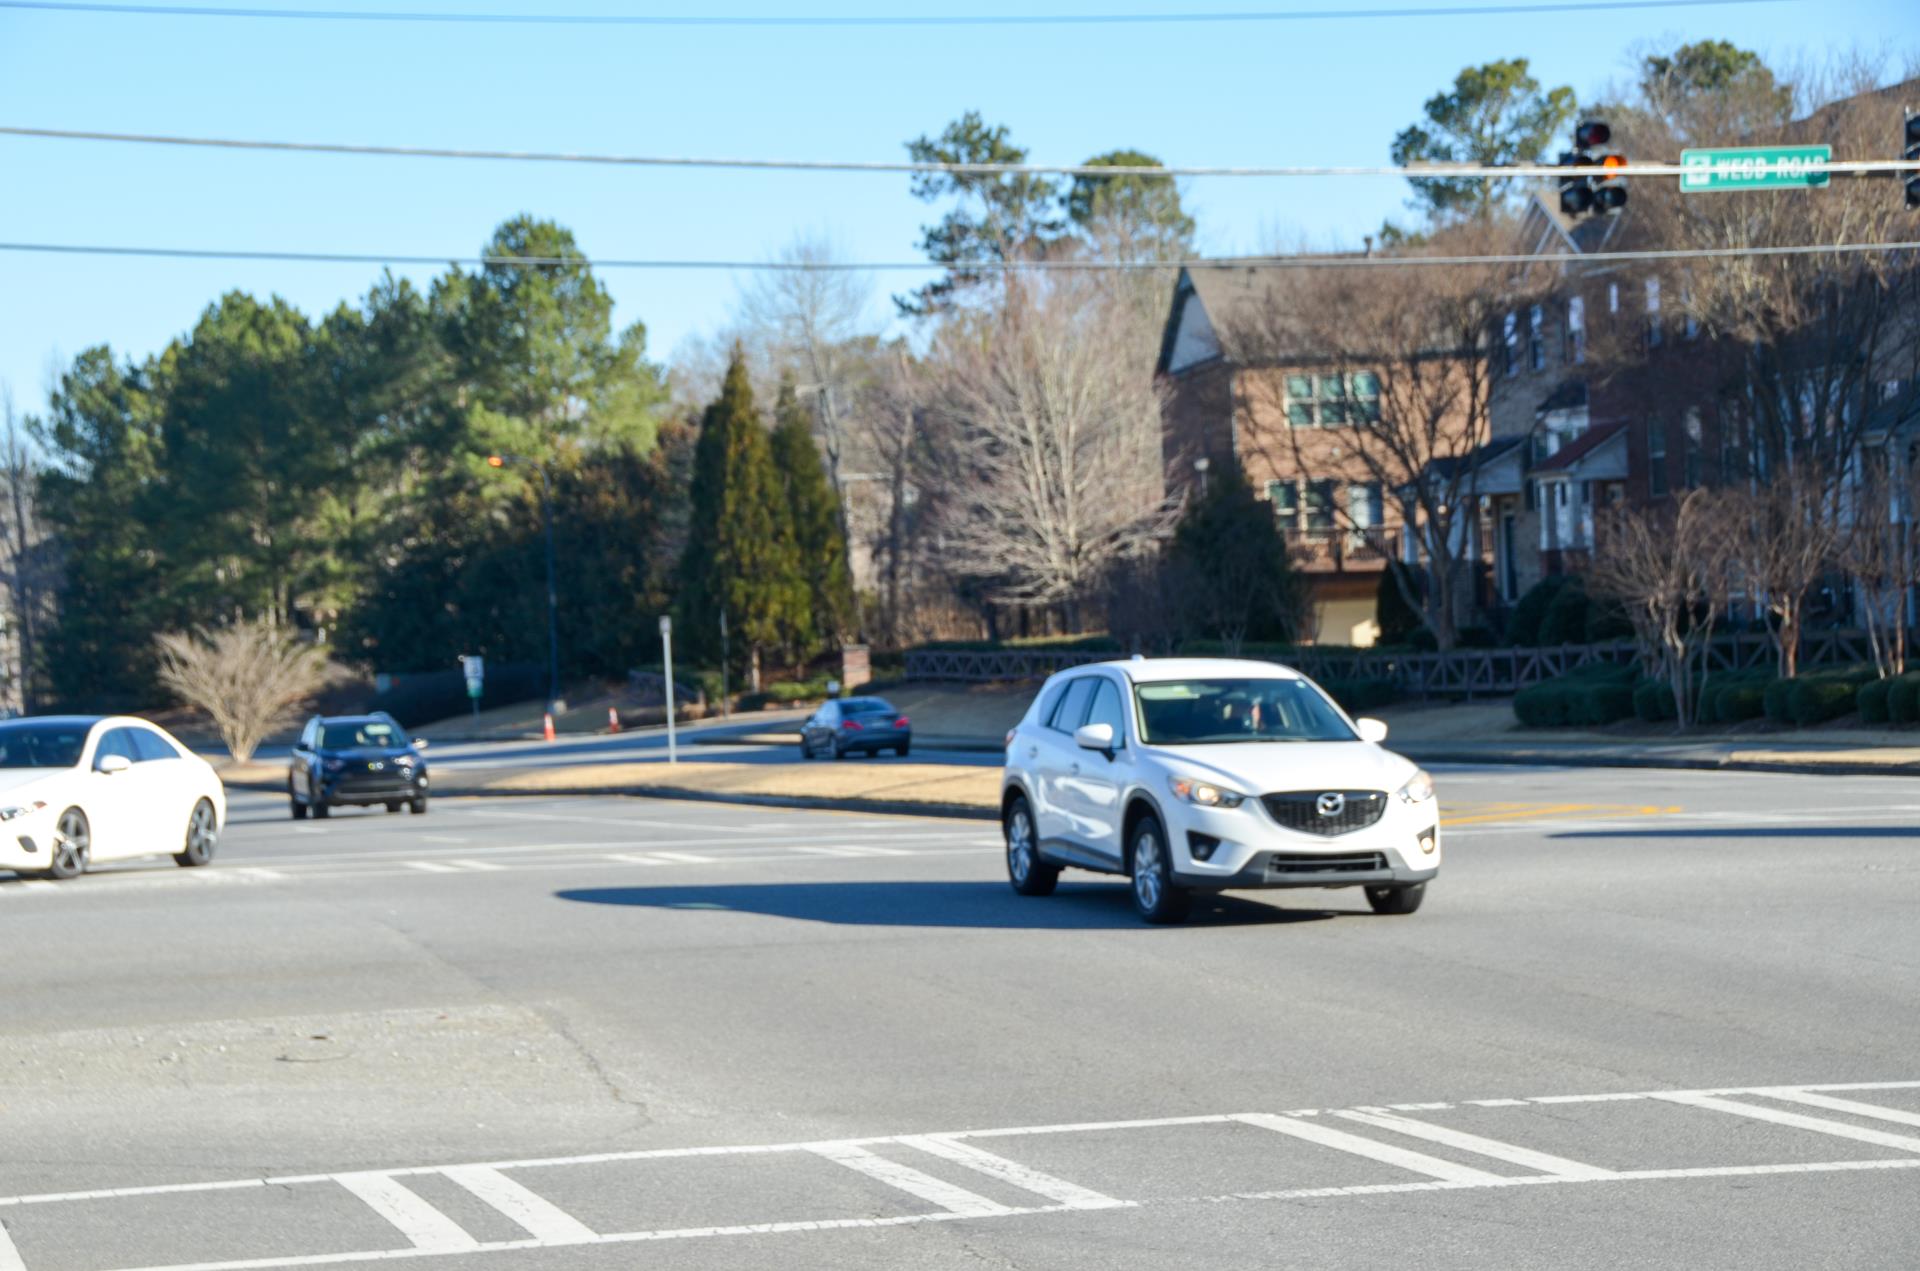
(1397, 900)
(1155, 895)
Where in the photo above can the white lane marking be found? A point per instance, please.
(540, 1217)
(418, 1221)
(444, 838)
(907, 1220)
(1386, 1153)
(955, 1200)
(1072, 1195)
(1819, 1125)
(634, 858)
(1083, 1127)
(39, 884)
(9, 1253)
(1419, 1107)
(1849, 1106)
(684, 858)
(263, 874)
(1508, 1152)
(1617, 1097)
(478, 867)
(1498, 1103)
(431, 867)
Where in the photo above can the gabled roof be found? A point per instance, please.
(1580, 447)
(1445, 467)
(1568, 395)
(1239, 298)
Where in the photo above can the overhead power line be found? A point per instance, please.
(869, 20)
(1386, 261)
(1427, 171)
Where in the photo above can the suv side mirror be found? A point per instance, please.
(421, 743)
(1094, 737)
(112, 764)
(1374, 730)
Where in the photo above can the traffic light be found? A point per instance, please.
(1583, 194)
(1912, 155)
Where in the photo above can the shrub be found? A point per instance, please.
(1600, 693)
(1398, 620)
(1565, 621)
(1774, 701)
(1542, 705)
(1903, 699)
(1871, 701)
(1523, 628)
(1734, 703)
(1607, 621)
(1653, 701)
(1815, 700)
(1601, 702)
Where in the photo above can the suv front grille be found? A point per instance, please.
(1307, 863)
(1307, 810)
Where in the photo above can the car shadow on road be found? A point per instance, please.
(1079, 907)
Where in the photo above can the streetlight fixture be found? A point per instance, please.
(553, 593)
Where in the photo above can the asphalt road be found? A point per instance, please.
(1645, 1019)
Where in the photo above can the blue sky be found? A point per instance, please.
(1299, 92)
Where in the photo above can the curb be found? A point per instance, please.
(1601, 759)
(803, 802)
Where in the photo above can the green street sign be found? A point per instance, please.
(1754, 168)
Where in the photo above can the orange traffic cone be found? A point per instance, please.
(549, 725)
(613, 719)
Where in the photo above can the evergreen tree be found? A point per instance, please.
(821, 549)
(1231, 568)
(740, 557)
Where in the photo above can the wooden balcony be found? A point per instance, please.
(1342, 551)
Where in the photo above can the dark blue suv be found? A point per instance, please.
(356, 759)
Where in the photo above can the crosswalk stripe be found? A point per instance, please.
(1386, 1153)
(1072, 1195)
(1832, 1104)
(418, 1221)
(9, 1253)
(1511, 1153)
(955, 1200)
(1819, 1125)
(540, 1217)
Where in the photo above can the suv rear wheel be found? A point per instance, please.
(1155, 895)
(1029, 875)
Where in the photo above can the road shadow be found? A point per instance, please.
(1082, 907)
(1752, 832)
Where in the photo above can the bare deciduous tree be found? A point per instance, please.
(245, 677)
(1785, 533)
(1050, 444)
(1667, 567)
(1876, 549)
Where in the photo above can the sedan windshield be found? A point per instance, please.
(372, 733)
(866, 706)
(39, 745)
(1209, 712)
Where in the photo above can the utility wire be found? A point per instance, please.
(981, 267)
(1421, 171)
(871, 20)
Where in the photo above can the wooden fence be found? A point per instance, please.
(1460, 673)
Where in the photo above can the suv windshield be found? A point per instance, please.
(1196, 712)
(353, 734)
(29, 745)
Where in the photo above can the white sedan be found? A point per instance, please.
(79, 789)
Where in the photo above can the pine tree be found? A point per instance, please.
(740, 559)
(822, 550)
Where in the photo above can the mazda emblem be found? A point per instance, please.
(1332, 803)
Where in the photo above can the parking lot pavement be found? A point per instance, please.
(1646, 1023)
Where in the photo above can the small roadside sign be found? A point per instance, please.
(476, 672)
(1754, 168)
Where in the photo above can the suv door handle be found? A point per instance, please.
(1075, 770)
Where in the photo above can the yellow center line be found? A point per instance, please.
(1522, 812)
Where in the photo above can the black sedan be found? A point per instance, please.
(854, 724)
(361, 760)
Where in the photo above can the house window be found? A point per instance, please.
(1576, 352)
(1691, 447)
(1365, 507)
(1536, 337)
(1656, 458)
(1328, 401)
(1586, 494)
(1319, 505)
(1285, 497)
(1510, 342)
(1653, 313)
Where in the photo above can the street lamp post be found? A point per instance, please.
(553, 590)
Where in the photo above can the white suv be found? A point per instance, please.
(1204, 774)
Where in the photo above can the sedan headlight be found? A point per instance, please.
(1200, 792)
(403, 761)
(20, 810)
(1419, 787)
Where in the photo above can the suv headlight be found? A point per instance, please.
(9, 814)
(1200, 792)
(1419, 787)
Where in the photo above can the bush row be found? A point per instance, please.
(1600, 693)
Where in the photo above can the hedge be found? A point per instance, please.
(1814, 701)
(1653, 702)
(1734, 703)
(1871, 700)
(1903, 699)
(1775, 701)
(1601, 693)
(1565, 621)
(1523, 628)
